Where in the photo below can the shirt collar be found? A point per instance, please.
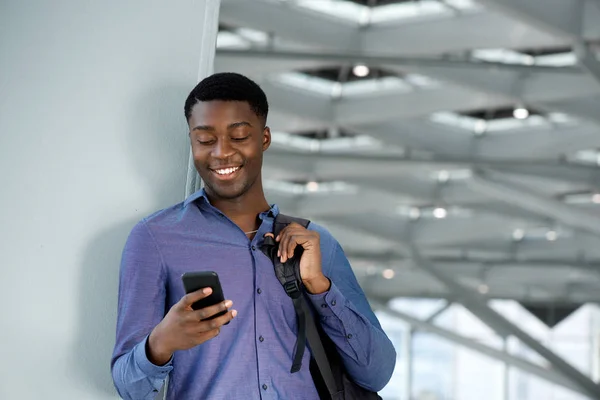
(195, 196)
(201, 195)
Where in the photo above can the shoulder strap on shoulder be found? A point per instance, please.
(282, 220)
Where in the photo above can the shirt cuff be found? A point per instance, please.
(328, 304)
(146, 366)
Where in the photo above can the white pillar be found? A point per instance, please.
(92, 138)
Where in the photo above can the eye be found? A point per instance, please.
(205, 142)
(240, 139)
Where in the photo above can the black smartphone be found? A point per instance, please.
(193, 281)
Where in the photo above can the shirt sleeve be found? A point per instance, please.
(347, 318)
(141, 306)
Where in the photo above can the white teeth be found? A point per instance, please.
(226, 171)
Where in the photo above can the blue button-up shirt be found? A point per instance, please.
(252, 356)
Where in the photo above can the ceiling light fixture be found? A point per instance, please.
(414, 213)
(388, 273)
(361, 71)
(443, 176)
(551, 236)
(480, 127)
(312, 186)
(518, 234)
(521, 113)
(483, 288)
(440, 213)
(596, 198)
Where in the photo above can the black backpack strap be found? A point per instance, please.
(288, 275)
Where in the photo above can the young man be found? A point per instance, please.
(221, 228)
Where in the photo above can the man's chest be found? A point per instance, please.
(245, 273)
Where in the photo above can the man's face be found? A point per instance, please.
(228, 140)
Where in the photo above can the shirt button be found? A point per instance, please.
(265, 387)
(253, 248)
(262, 339)
(333, 303)
(349, 336)
(258, 291)
(323, 305)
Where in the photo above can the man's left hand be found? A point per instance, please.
(311, 269)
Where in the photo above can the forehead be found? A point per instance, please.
(218, 112)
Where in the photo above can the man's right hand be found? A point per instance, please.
(183, 327)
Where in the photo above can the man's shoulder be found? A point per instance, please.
(163, 218)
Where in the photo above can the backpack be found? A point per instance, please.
(326, 366)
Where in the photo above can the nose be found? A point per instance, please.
(222, 149)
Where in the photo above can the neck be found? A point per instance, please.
(248, 205)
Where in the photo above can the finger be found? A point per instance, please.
(209, 311)
(294, 241)
(216, 323)
(191, 298)
(269, 234)
(287, 247)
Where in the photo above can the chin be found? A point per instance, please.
(226, 192)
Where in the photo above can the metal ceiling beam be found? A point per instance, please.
(546, 374)
(411, 104)
(588, 59)
(465, 31)
(268, 58)
(441, 262)
(302, 103)
(339, 165)
(289, 21)
(478, 306)
(560, 17)
(527, 142)
(525, 198)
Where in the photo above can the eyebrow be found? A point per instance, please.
(229, 127)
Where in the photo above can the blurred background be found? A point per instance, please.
(451, 146)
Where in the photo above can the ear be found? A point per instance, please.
(266, 138)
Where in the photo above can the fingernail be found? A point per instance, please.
(234, 313)
(207, 290)
(228, 303)
(278, 253)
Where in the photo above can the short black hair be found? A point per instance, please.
(228, 86)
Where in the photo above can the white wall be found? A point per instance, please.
(92, 138)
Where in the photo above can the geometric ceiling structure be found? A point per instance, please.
(451, 146)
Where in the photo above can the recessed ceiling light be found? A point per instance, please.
(388, 273)
(414, 213)
(518, 234)
(596, 198)
(551, 236)
(483, 288)
(443, 176)
(521, 113)
(440, 213)
(361, 71)
(312, 186)
(480, 127)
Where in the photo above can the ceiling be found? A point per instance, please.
(447, 145)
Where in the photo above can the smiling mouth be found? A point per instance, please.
(224, 173)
